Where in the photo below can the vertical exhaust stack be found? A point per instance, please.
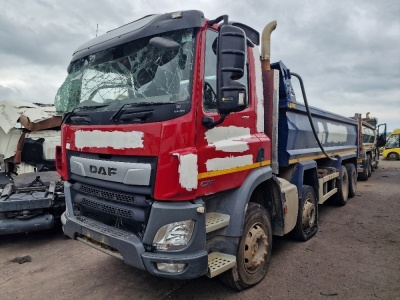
(266, 45)
(270, 80)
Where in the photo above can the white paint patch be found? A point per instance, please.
(321, 133)
(259, 91)
(228, 139)
(188, 171)
(337, 133)
(217, 164)
(113, 139)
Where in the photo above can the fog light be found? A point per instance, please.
(170, 267)
(174, 236)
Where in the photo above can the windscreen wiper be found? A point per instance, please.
(91, 107)
(122, 114)
(74, 115)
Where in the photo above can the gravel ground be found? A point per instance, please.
(355, 255)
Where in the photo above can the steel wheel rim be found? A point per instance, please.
(255, 248)
(308, 215)
(345, 186)
(354, 179)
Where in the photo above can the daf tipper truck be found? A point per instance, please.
(368, 149)
(184, 152)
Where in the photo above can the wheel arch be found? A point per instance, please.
(260, 187)
(305, 173)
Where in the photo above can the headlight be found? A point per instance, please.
(174, 236)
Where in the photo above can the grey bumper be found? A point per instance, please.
(138, 252)
(131, 250)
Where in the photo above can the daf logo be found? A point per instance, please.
(102, 170)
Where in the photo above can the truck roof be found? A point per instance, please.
(146, 26)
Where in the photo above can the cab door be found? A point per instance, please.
(227, 152)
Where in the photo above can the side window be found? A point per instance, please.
(210, 72)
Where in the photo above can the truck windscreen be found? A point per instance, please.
(137, 72)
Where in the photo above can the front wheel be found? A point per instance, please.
(307, 217)
(392, 156)
(254, 250)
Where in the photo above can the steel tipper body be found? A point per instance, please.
(181, 157)
(296, 143)
(368, 157)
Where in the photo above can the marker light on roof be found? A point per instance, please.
(176, 15)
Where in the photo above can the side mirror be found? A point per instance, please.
(231, 52)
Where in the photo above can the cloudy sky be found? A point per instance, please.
(348, 52)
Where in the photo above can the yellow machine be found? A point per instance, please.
(392, 147)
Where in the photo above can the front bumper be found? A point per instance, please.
(138, 252)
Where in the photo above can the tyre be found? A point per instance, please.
(342, 184)
(307, 217)
(352, 174)
(369, 165)
(364, 175)
(392, 156)
(374, 166)
(254, 250)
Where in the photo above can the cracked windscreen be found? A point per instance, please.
(151, 70)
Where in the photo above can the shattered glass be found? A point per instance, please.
(134, 72)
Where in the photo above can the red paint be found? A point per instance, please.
(167, 140)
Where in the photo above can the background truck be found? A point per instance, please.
(183, 152)
(31, 191)
(368, 147)
(391, 150)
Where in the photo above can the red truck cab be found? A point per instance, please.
(141, 149)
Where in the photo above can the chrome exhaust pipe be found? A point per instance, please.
(266, 45)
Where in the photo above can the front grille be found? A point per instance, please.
(108, 209)
(104, 229)
(107, 194)
(113, 208)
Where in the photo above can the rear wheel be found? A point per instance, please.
(392, 156)
(254, 250)
(374, 164)
(369, 165)
(364, 175)
(307, 217)
(352, 174)
(342, 184)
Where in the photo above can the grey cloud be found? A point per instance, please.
(347, 52)
(9, 92)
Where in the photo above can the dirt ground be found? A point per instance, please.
(355, 255)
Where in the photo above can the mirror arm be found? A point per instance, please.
(219, 19)
(209, 123)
